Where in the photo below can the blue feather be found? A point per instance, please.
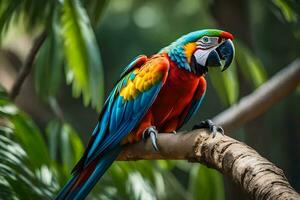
(119, 110)
(117, 119)
(129, 109)
(63, 192)
(132, 76)
(129, 121)
(103, 164)
(113, 119)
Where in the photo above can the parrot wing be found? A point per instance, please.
(126, 105)
(195, 103)
(136, 63)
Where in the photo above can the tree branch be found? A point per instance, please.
(258, 102)
(26, 68)
(257, 176)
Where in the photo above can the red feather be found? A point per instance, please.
(172, 102)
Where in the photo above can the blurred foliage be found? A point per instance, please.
(48, 67)
(25, 162)
(201, 181)
(288, 9)
(84, 64)
(69, 34)
(37, 162)
(250, 65)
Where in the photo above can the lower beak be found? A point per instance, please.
(222, 54)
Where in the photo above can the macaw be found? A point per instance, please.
(154, 94)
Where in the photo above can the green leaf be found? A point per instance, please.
(287, 10)
(19, 176)
(26, 132)
(166, 164)
(149, 178)
(64, 144)
(206, 183)
(30, 13)
(8, 108)
(7, 13)
(49, 63)
(72, 147)
(84, 69)
(29, 135)
(48, 68)
(53, 130)
(226, 84)
(250, 65)
(95, 9)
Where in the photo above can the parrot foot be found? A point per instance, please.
(152, 133)
(212, 127)
(174, 132)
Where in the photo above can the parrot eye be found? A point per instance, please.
(207, 42)
(205, 39)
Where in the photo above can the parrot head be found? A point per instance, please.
(199, 50)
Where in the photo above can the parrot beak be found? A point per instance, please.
(226, 53)
(220, 56)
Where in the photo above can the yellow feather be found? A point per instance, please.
(189, 50)
(145, 77)
(139, 83)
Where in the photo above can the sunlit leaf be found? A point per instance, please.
(25, 131)
(8, 109)
(84, 68)
(162, 182)
(166, 164)
(139, 187)
(7, 13)
(29, 135)
(30, 13)
(19, 177)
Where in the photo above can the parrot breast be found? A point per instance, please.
(166, 113)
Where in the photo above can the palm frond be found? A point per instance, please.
(84, 67)
(19, 177)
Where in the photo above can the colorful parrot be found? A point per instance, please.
(154, 94)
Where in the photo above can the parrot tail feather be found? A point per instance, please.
(78, 187)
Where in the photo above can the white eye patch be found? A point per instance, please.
(201, 54)
(207, 42)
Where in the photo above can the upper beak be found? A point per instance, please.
(224, 52)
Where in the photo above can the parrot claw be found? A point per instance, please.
(214, 129)
(174, 132)
(152, 133)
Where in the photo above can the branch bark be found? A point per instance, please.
(258, 102)
(257, 176)
(26, 68)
